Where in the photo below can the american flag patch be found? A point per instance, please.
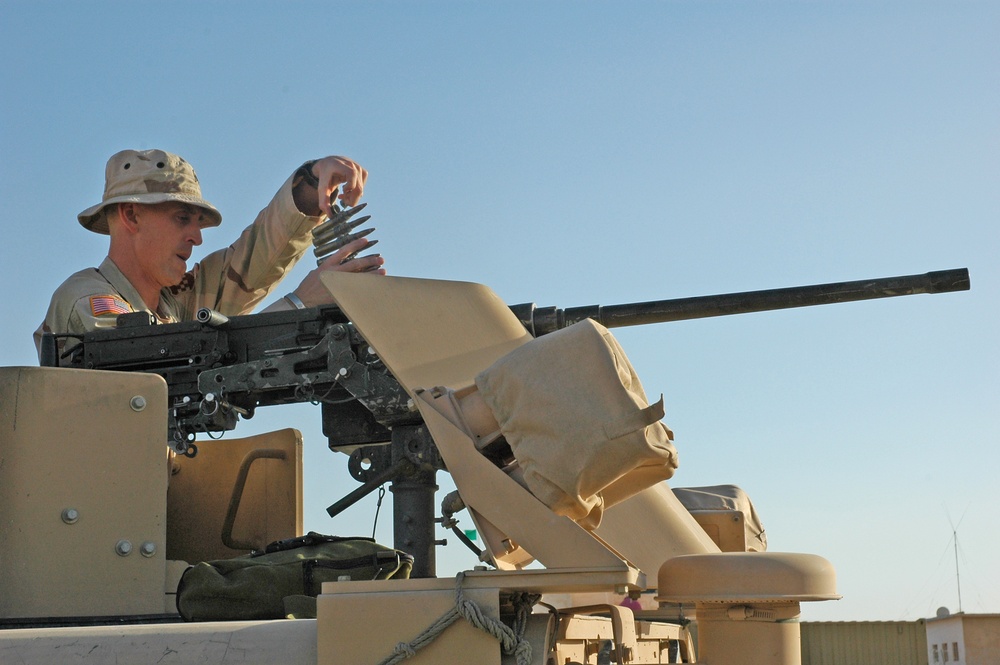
(102, 305)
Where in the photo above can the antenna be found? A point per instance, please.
(954, 538)
(958, 581)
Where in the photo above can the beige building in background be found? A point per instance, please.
(864, 643)
(956, 639)
(963, 639)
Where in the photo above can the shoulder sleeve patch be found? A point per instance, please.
(108, 306)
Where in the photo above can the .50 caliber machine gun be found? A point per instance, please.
(219, 368)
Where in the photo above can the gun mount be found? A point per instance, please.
(408, 408)
(219, 368)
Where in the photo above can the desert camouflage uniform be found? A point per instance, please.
(231, 281)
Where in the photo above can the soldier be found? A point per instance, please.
(154, 212)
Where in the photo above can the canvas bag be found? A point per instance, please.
(574, 413)
(284, 579)
(728, 498)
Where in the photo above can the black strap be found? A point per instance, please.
(311, 538)
(386, 561)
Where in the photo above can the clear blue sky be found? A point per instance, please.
(572, 153)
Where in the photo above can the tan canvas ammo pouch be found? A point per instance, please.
(578, 422)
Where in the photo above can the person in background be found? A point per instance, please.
(631, 600)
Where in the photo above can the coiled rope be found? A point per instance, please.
(511, 640)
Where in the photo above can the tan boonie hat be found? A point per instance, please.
(147, 176)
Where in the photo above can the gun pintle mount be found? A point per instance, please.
(219, 368)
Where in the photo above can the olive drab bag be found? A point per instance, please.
(284, 579)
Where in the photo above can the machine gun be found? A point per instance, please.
(219, 368)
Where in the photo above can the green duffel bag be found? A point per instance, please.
(284, 580)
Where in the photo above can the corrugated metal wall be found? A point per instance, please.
(864, 643)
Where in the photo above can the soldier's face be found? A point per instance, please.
(167, 234)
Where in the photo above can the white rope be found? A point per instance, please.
(510, 642)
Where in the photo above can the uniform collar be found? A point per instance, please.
(120, 282)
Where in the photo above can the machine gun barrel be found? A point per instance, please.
(543, 320)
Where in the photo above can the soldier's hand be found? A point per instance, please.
(312, 292)
(343, 259)
(333, 172)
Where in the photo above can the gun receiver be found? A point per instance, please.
(218, 368)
